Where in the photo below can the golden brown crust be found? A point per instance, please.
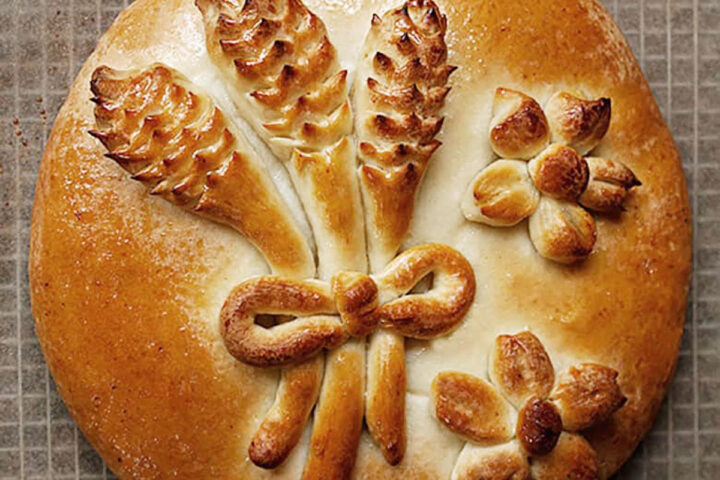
(559, 172)
(284, 423)
(401, 87)
(153, 359)
(502, 462)
(458, 399)
(501, 195)
(285, 78)
(587, 394)
(573, 459)
(521, 368)
(329, 192)
(282, 57)
(577, 122)
(338, 416)
(608, 187)
(538, 427)
(390, 194)
(518, 129)
(182, 148)
(385, 397)
(166, 136)
(562, 231)
(141, 275)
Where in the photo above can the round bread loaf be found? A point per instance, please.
(509, 151)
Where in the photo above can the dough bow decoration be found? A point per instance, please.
(351, 305)
(526, 413)
(543, 173)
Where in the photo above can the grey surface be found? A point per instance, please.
(44, 42)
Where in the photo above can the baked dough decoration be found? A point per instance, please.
(285, 78)
(351, 305)
(543, 173)
(325, 315)
(400, 88)
(287, 83)
(172, 138)
(283, 74)
(526, 413)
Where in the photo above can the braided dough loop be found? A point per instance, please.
(286, 343)
(354, 304)
(435, 312)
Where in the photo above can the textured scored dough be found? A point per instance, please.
(126, 290)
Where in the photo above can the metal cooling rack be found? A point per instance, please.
(43, 43)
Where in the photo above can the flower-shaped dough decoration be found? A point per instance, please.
(526, 413)
(542, 172)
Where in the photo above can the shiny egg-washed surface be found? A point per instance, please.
(190, 409)
(40, 60)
